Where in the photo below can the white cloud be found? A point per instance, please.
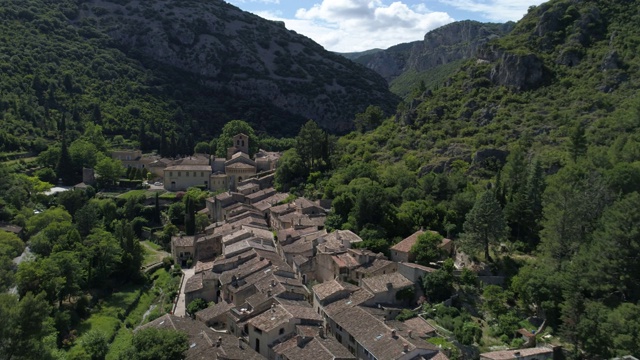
(357, 25)
(495, 10)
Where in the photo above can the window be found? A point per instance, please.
(352, 350)
(351, 338)
(202, 174)
(338, 327)
(339, 338)
(170, 173)
(194, 174)
(281, 331)
(186, 173)
(179, 173)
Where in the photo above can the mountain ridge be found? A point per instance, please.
(405, 65)
(242, 54)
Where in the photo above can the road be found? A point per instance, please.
(181, 307)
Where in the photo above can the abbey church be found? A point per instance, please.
(219, 173)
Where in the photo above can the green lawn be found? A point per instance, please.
(147, 193)
(153, 253)
(120, 343)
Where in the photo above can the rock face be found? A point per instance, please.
(518, 72)
(238, 53)
(449, 43)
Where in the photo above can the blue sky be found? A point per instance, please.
(357, 25)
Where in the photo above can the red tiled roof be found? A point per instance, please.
(406, 244)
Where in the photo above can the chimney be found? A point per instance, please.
(516, 354)
(273, 282)
(239, 342)
(321, 331)
(405, 347)
(410, 333)
(269, 293)
(219, 342)
(393, 333)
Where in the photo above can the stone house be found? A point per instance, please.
(182, 177)
(401, 252)
(279, 323)
(196, 247)
(385, 288)
(311, 343)
(541, 353)
(367, 337)
(201, 286)
(204, 343)
(183, 248)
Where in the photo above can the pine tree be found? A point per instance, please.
(484, 224)
(577, 142)
(534, 192)
(96, 115)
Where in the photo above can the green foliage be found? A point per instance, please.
(495, 300)
(484, 224)
(438, 285)
(96, 345)
(406, 314)
(23, 327)
(370, 119)
(196, 305)
(231, 129)
(154, 344)
(426, 248)
(109, 171)
(311, 145)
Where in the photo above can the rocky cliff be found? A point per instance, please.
(447, 44)
(242, 55)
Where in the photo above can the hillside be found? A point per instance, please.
(359, 54)
(540, 130)
(429, 60)
(156, 67)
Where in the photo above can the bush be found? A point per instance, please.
(405, 314)
(196, 305)
(167, 261)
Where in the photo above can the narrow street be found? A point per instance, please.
(181, 307)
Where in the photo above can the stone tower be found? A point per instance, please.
(240, 144)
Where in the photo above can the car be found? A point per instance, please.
(157, 183)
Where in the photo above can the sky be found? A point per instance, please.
(358, 25)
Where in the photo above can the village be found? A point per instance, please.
(280, 286)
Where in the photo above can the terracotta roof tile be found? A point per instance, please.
(406, 244)
(204, 343)
(511, 354)
(380, 283)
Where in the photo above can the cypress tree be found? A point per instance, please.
(64, 170)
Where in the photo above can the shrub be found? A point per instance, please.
(405, 314)
(167, 261)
